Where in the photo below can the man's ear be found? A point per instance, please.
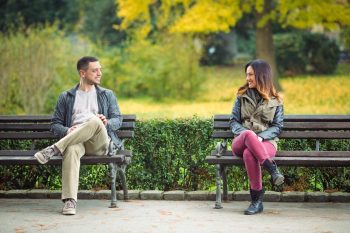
(82, 73)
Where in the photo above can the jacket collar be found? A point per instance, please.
(73, 91)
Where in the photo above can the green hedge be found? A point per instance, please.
(169, 155)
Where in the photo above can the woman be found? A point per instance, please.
(256, 122)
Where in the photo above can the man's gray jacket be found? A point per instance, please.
(107, 105)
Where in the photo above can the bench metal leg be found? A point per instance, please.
(121, 172)
(218, 187)
(224, 183)
(112, 168)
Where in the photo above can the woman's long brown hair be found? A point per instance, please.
(264, 82)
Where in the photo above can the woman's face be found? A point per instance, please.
(250, 77)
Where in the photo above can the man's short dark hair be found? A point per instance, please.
(83, 62)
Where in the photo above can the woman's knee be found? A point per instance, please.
(249, 133)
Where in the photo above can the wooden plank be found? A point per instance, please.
(306, 154)
(295, 135)
(57, 160)
(46, 118)
(286, 161)
(21, 153)
(298, 118)
(49, 135)
(46, 126)
(224, 125)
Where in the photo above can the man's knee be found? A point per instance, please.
(95, 121)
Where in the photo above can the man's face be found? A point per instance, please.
(93, 73)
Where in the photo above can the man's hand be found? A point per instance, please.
(103, 119)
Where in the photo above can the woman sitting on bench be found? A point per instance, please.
(256, 122)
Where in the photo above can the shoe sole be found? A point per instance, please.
(251, 213)
(69, 212)
(279, 180)
(37, 156)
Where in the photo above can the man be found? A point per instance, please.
(85, 118)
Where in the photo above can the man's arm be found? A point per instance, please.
(58, 124)
(114, 116)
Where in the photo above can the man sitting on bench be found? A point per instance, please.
(85, 118)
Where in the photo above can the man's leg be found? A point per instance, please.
(70, 177)
(70, 170)
(92, 131)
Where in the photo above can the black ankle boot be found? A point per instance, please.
(256, 206)
(271, 167)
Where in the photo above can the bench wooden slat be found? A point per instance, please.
(224, 125)
(46, 118)
(49, 135)
(57, 160)
(298, 118)
(295, 135)
(45, 126)
(20, 153)
(287, 161)
(331, 154)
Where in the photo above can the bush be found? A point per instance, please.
(166, 69)
(298, 53)
(290, 58)
(36, 64)
(216, 50)
(322, 53)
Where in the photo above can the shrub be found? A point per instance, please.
(166, 69)
(297, 53)
(322, 53)
(290, 58)
(36, 64)
(216, 50)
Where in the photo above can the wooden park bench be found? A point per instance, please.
(36, 128)
(317, 127)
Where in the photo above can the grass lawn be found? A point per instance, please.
(325, 94)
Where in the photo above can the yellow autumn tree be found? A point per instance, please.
(209, 16)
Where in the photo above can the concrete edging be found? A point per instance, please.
(180, 195)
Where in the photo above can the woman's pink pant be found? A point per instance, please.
(254, 153)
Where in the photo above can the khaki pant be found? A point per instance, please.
(89, 138)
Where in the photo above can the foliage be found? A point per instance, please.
(215, 16)
(291, 59)
(37, 64)
(169, 154)
(216, 52)
(295, 52)
(322, 53)
(17, 13)
(345, 38)
(167, 69)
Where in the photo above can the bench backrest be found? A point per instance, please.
(38, 127)
(297, 127)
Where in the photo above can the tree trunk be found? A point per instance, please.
(265, 49)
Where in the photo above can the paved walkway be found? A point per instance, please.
(43, 215)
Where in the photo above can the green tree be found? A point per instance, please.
(208, 16)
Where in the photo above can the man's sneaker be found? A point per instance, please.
(70, 207)
(46, 154)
